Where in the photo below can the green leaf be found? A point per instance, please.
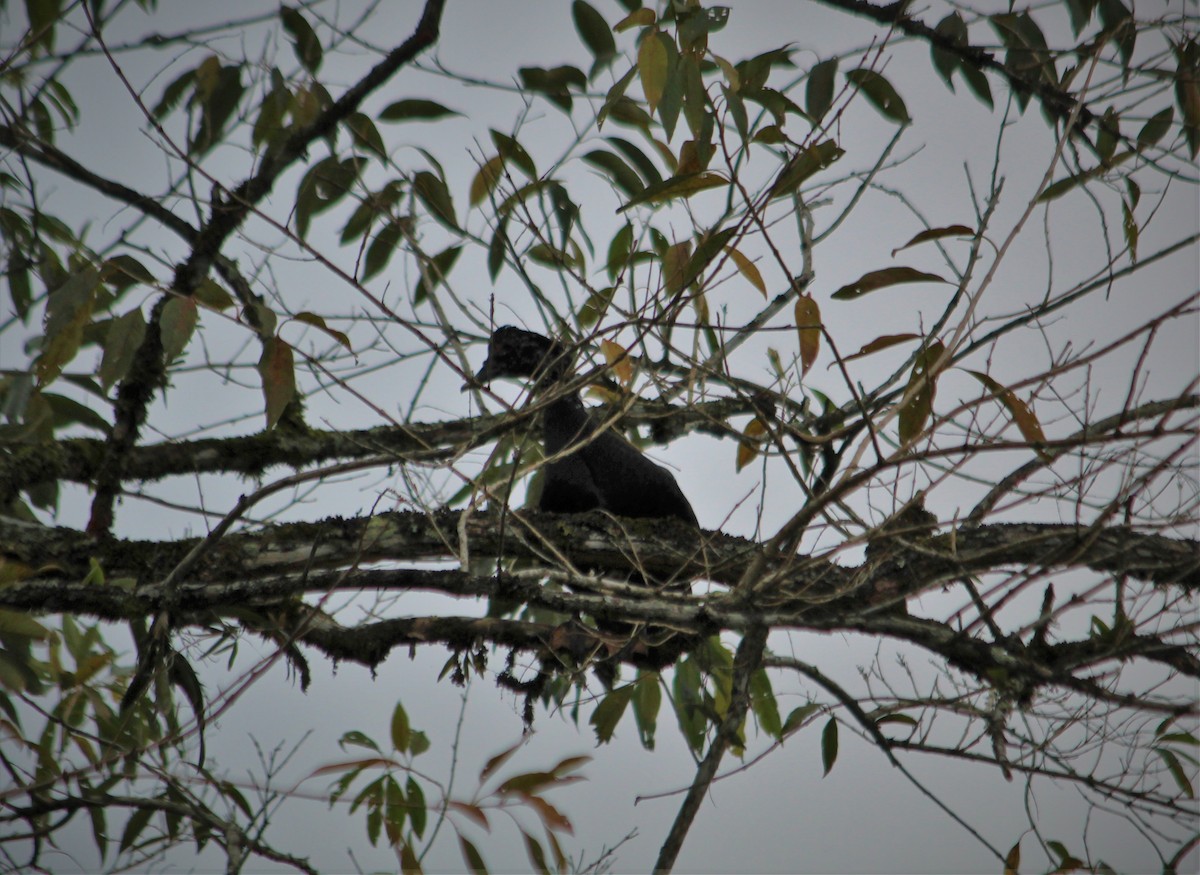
(618, 251)
(400, 728)
(647, 699)
(497, 248)
(68, 311)
(278, 371)
(415, 109)
(829, 745)
(608, 713)
(644, 165)
(514, 153)
(537, 856)
(818, 93)
(1155, 128)
(1175, 767)
(308, 47)
(595, 33)
(125, 336)
(434, 194)
(176, 326)
(879, 91)
(379, 253)
(417, 810)
(622, 175)
(318, 322)
(878, 279)
(486, 179)
(435, 272)
(677, 186)
(471, 855)
(762, 702)
(652, 68)
(133, 827)
(23, 625)
(804, 164)
(365, 134)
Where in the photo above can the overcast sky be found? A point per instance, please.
(780, 814)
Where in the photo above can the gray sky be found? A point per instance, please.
(779, 814)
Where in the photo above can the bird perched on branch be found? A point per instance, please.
(600, 469)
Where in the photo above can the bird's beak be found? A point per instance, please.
(482, 378)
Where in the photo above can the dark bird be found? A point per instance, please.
(605, 471)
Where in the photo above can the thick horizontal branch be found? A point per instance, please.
(661, 550)
(78, 460)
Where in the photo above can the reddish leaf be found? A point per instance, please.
(937, 234)
(878, 279)
(922, 386)
(883, 342)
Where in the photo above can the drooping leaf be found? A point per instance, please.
(748, 445)
(596, 35)
(647, 699)
(748, 269)
(818, 93)
(514, 153)
(379, 253)
(829, 745)
(763, 704)
(308, 47)
(1021, 413)
(471, 856)
(804, 164)
(652, 68)
(434, 194)
(176, 325)
(486, 179)
(879, 91)
(622, 175)
(277, 368)
(808, 323)
(608, 713)
(1155, 128)
(68, 311)
(435, 272)
(125, 335)
(618, 359)
(921, 389)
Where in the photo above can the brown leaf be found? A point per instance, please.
(808, 323)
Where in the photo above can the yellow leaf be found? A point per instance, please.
(747, 269)
(652, 68)
(674, 264)
(486, 180)
(1021, 413)
(618, 359)
(749, 444)
(808, 323)
(638, 18)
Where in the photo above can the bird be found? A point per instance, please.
(604, 471)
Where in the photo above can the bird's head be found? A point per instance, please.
(514, 352)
